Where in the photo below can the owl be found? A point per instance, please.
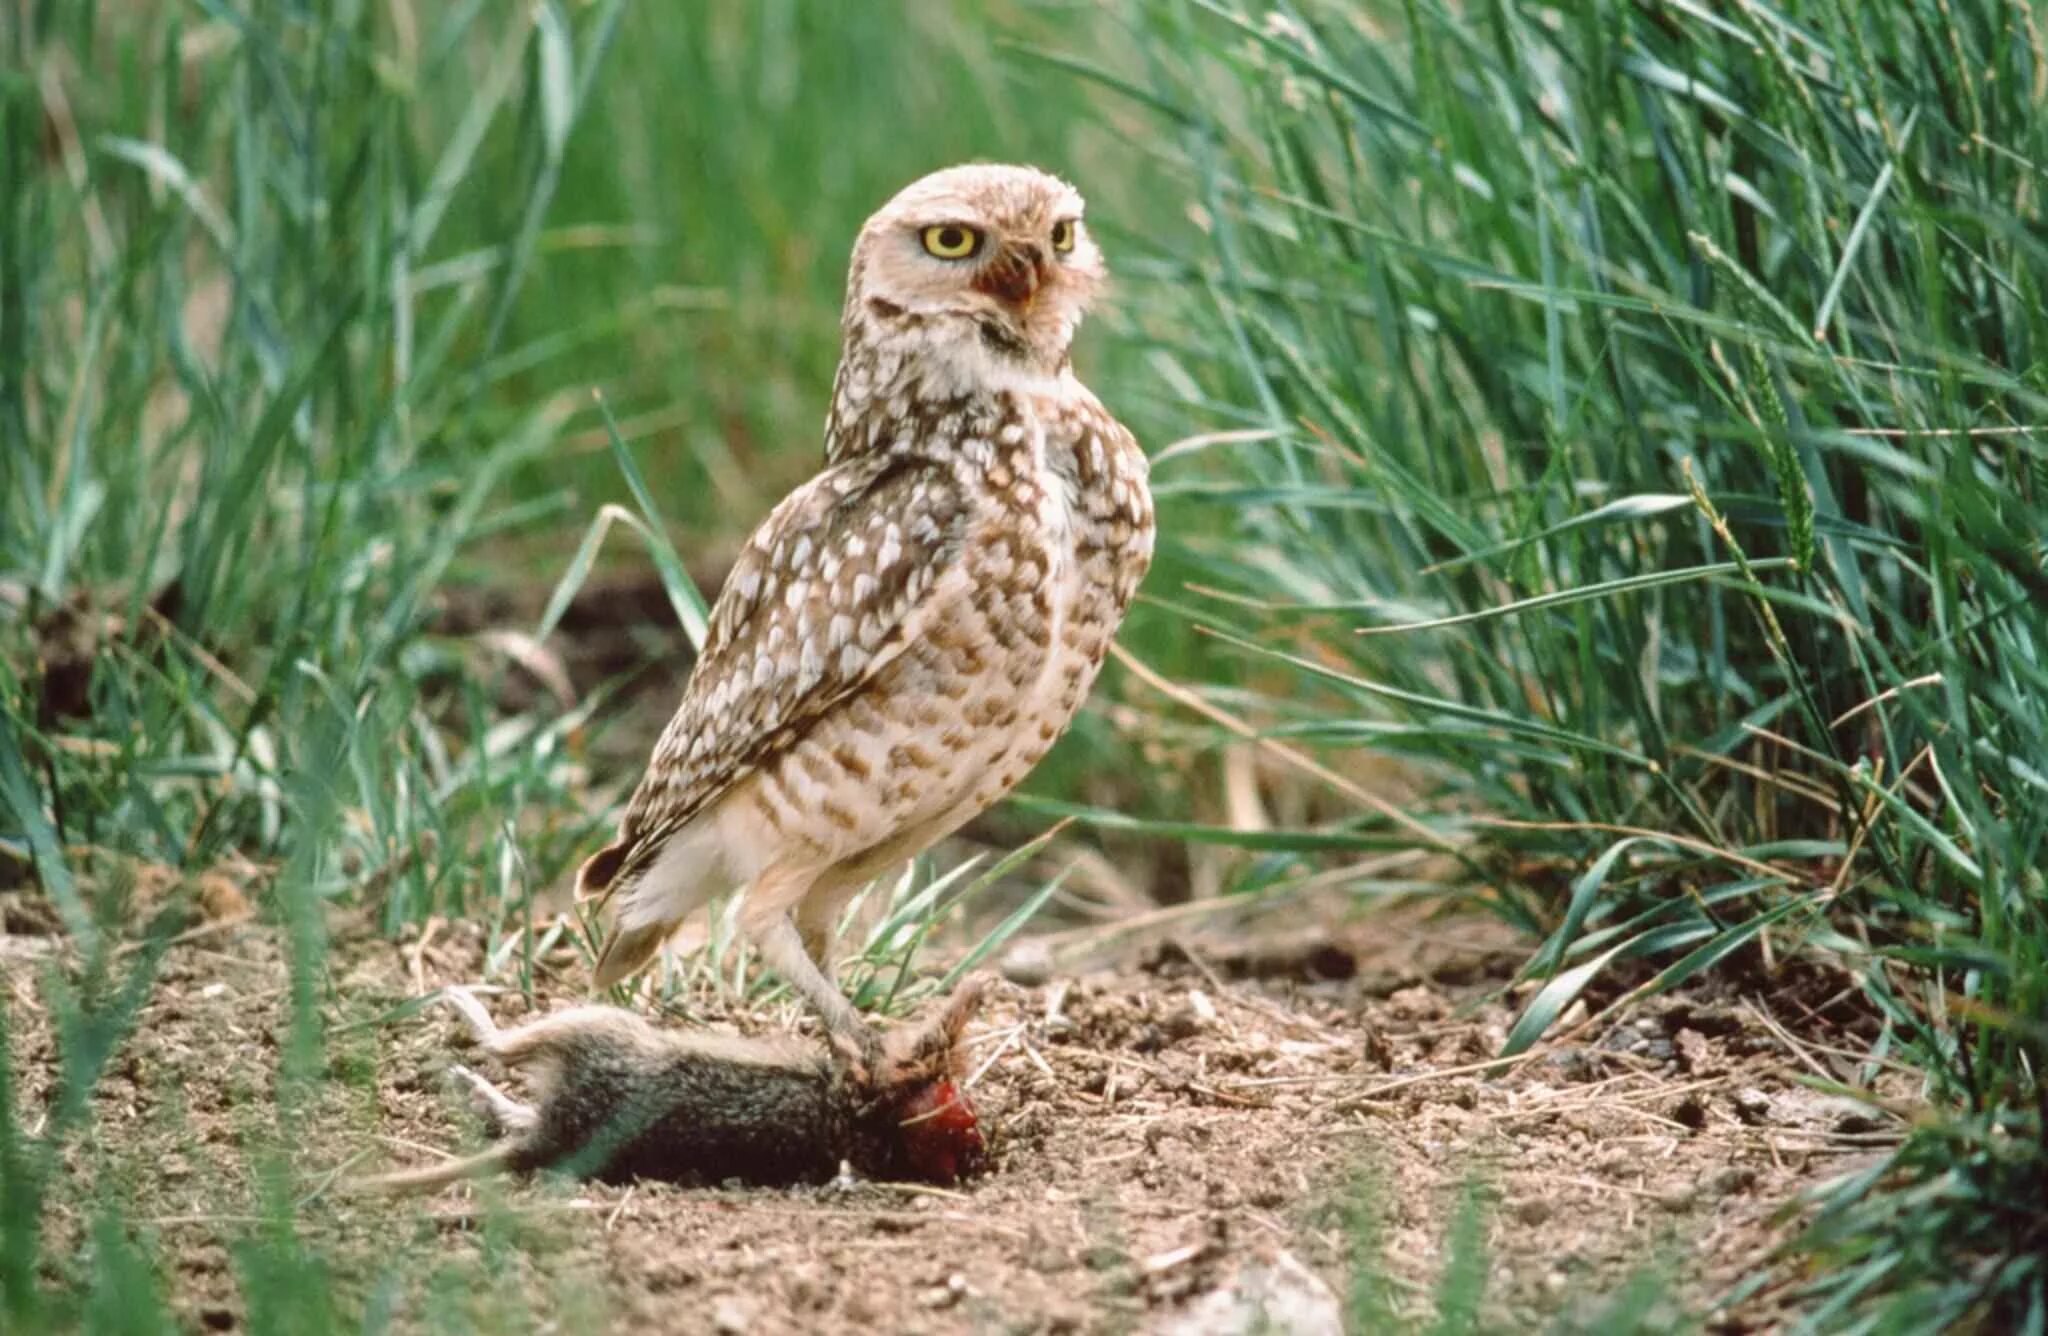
(906, 634)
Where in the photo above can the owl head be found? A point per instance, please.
(986, 265)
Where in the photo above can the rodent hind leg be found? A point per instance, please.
(506, 1115)
(576, 1028)
(473, 1014)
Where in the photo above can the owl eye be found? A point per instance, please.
(951, 241)
(1063, 233)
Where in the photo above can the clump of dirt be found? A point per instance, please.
(1172, 1135)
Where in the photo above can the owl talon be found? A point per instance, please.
(862, 1059)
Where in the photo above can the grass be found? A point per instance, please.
(1628, 424)
(1618, 421)
(1376, 1299)
(300, 315)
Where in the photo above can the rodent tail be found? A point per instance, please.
(480, 1165)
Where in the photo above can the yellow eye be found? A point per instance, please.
(951, 241)
(1063, 233)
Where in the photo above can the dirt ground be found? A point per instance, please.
(1179, 1127)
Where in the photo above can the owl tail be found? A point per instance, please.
(627, 952)
(655, 881)
(594, 878)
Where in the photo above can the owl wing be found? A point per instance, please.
(834, 584)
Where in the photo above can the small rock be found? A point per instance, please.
(1281, 1297)
(1419, 1003)
(1694, 1050)
(1621, 1039)
(946, 1295)
(1736, 1178)
(729, 1317)
(1752, 1105)
(1181, 1023)
(1029, 963)
(1571, 1064)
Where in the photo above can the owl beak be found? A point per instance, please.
(1014, 276)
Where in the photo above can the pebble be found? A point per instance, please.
(948, 1294)
(729, 1317)
(1028, 964)
(1281, 1297)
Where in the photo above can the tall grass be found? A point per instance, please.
(301, 308)
(247, 437)
(1632, 421)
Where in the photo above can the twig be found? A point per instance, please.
(1573, 1180)
(924, 1190)
(1791, 1044)
(468, 1211)
(1413, 1078)
(333, 1175)
(1180, 694)
(416, 964)
(1931, 679)
(1683, 841)
(192, 934)
(202, 1218)
(1010, 1039)
(1094, 935)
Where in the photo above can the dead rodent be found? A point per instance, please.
(617, 1099)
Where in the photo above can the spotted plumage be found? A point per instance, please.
(908, 633)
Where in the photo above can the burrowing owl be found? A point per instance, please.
(906, 634)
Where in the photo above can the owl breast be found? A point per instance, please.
(1060, 535)
(1068, 537)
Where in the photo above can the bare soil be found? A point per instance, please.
(1181, 1120)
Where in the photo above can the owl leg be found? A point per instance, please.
(782, 950)
(819, 912)
(767, 915)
